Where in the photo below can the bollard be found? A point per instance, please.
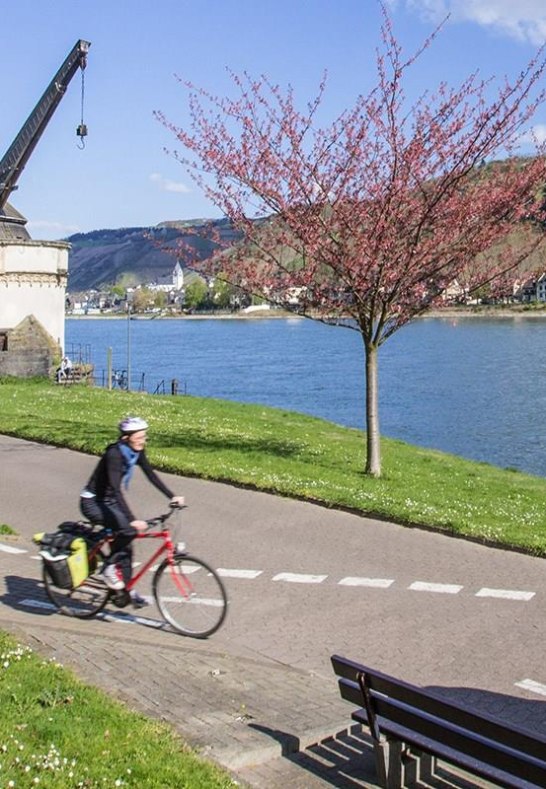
(109, 366)
(174, 386)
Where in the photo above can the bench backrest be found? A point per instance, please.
(387, 699)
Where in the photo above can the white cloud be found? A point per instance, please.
(524, 20)
(540, 132)
(167, 185)
(535, 136)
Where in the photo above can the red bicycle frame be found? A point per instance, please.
(182, 582)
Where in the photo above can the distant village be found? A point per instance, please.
(177, 293)
(174, 293)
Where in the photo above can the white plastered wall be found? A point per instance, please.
(33, 282)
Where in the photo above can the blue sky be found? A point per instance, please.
(123, 177)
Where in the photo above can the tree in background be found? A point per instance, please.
(142, 299)
(222, 294)
(118, 291)
(381, 215)
(160, 299)
(196, 294)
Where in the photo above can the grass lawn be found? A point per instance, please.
(290, 454)
(56, 733)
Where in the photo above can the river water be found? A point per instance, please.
(470, 386)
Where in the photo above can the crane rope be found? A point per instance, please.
(81, 131)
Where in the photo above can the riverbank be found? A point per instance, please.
(255, 315)
(514, 311)
(482, 311)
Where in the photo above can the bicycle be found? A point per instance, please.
(119, 379)
(188, 592)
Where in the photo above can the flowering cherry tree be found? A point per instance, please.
(379, 216)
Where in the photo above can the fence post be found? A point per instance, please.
(174, 386)
(109, 368)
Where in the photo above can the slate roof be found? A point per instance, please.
(12, 225)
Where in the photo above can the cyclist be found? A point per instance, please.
(102, 500)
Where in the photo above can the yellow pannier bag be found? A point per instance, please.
(65, 558)
(77, 561)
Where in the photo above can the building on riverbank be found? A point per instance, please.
(33, 278)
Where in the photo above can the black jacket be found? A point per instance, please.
(106, 480)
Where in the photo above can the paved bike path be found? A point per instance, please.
(303, 582)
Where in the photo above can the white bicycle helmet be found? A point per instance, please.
(132, 424)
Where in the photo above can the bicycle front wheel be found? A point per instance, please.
(190, 596)
(83, 602)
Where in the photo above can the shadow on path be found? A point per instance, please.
(344, 760)
(513, 710)
(26, 594)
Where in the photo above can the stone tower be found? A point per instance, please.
(32, 284)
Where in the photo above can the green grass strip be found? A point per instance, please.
(55, 733)
(290, 454)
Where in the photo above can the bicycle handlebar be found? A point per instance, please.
(159, 520)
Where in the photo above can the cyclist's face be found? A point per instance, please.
(137, 441)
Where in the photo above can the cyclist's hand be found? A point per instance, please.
(177, 501)
(139, 525)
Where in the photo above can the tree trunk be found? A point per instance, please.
(373, 446)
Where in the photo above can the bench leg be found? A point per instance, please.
(427, 767)
(388, 760)
(418, 767)
(410, 768)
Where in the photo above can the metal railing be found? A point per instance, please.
(139, 382)
(80, 356)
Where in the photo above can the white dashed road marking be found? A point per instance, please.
(505, 594)
(377, 583)
(348, 581)
(238, 573)
(299, 578)
(423, 586)
(38, 604)
(11, 549)
(530, 684)
(129, 619)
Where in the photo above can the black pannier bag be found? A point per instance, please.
(65, 558)
(91, 534)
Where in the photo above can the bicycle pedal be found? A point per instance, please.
(121, 599)
(139, 602)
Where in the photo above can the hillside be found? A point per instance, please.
(133, 255)
(104, 257)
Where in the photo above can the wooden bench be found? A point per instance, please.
(411, 728)
(78, 374)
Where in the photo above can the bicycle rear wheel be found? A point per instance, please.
(83, 602)
(190, 596)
